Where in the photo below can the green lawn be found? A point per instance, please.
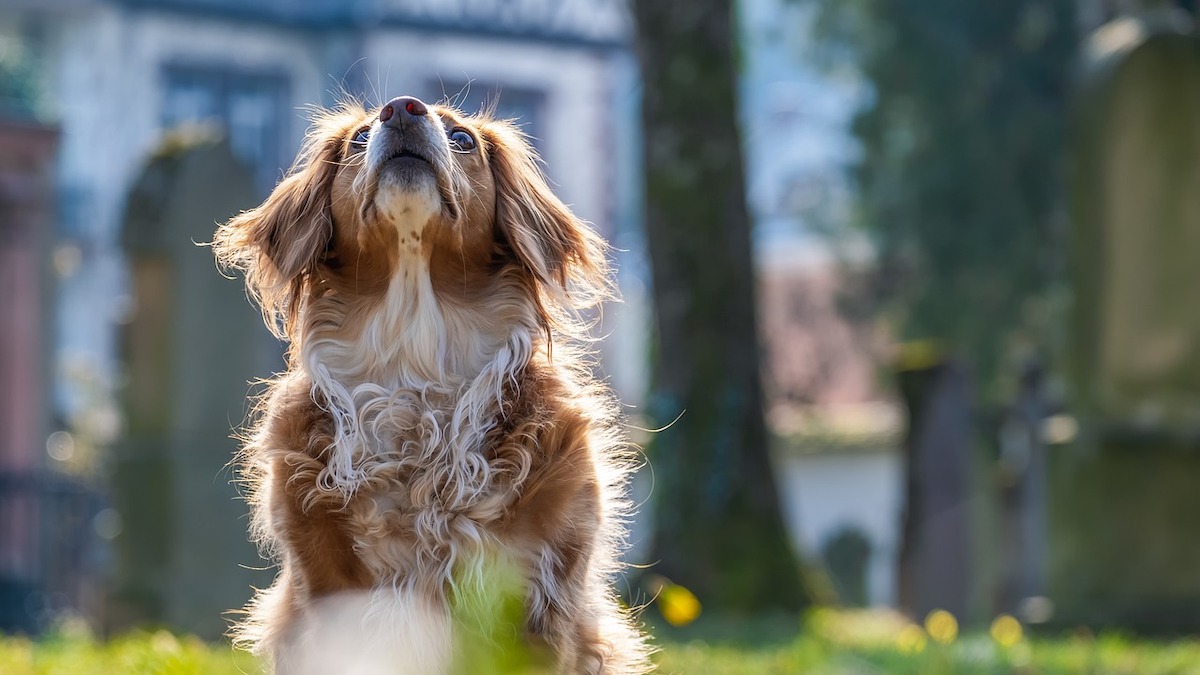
(831, 643)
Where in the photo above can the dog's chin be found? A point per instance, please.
(408, 195)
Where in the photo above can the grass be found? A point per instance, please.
(833, 643)
(882, 643)
(141, 653)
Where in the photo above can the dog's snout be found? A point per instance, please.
(410, 105)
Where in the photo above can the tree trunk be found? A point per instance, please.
(720, 531)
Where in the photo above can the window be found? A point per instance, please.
(251, 107)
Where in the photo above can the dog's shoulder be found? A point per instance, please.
(545, 395)
(290, 416)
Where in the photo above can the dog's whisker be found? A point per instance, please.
(462, 94)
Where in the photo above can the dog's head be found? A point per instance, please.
(412, 188)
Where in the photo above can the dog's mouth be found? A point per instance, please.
(408, 169)
(406, 154)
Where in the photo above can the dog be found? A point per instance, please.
(438, 437)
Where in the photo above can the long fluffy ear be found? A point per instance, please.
(279, 243)
(563, 254)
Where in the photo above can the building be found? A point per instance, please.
(119, 75)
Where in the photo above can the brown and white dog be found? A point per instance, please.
(438, 420)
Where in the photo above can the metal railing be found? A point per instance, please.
(50, 553)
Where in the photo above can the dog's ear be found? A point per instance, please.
(564, 255)
(279, 243)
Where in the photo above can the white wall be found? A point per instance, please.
(824, 493)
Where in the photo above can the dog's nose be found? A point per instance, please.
(409, 104)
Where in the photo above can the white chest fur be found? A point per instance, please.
(415, 391)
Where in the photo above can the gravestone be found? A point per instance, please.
(935, 570)
(192, 345)
(846, 554)
(1124, 496)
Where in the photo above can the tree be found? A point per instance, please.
(960, 179)
(960, 185)
(719, 531)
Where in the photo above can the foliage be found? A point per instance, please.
(960, 178)
(19, 91)
(831, 642)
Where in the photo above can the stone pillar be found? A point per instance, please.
(27, 152)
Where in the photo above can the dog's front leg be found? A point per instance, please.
(311, 526)
(302, 526)
(563, 599)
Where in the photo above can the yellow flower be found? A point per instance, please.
(163, 641)
(910, 640)
(941, 626)
(678, 605)
(1006, 631)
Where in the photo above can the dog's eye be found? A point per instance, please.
(461, 139)
(360, 139)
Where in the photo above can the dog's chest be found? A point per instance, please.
(437, 492)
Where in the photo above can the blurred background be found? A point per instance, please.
(967, 339)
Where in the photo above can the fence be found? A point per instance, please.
(51, 551)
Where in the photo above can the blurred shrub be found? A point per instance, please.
(20, 92)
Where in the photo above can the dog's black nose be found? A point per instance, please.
(409, 104)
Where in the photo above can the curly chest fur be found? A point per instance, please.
(443, 481)
(431, 503)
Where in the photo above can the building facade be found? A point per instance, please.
(120, 73)
(117, 77)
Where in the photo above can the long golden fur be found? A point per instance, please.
(439, 418)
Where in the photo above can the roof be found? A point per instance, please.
(601, 23)
(822, 365)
